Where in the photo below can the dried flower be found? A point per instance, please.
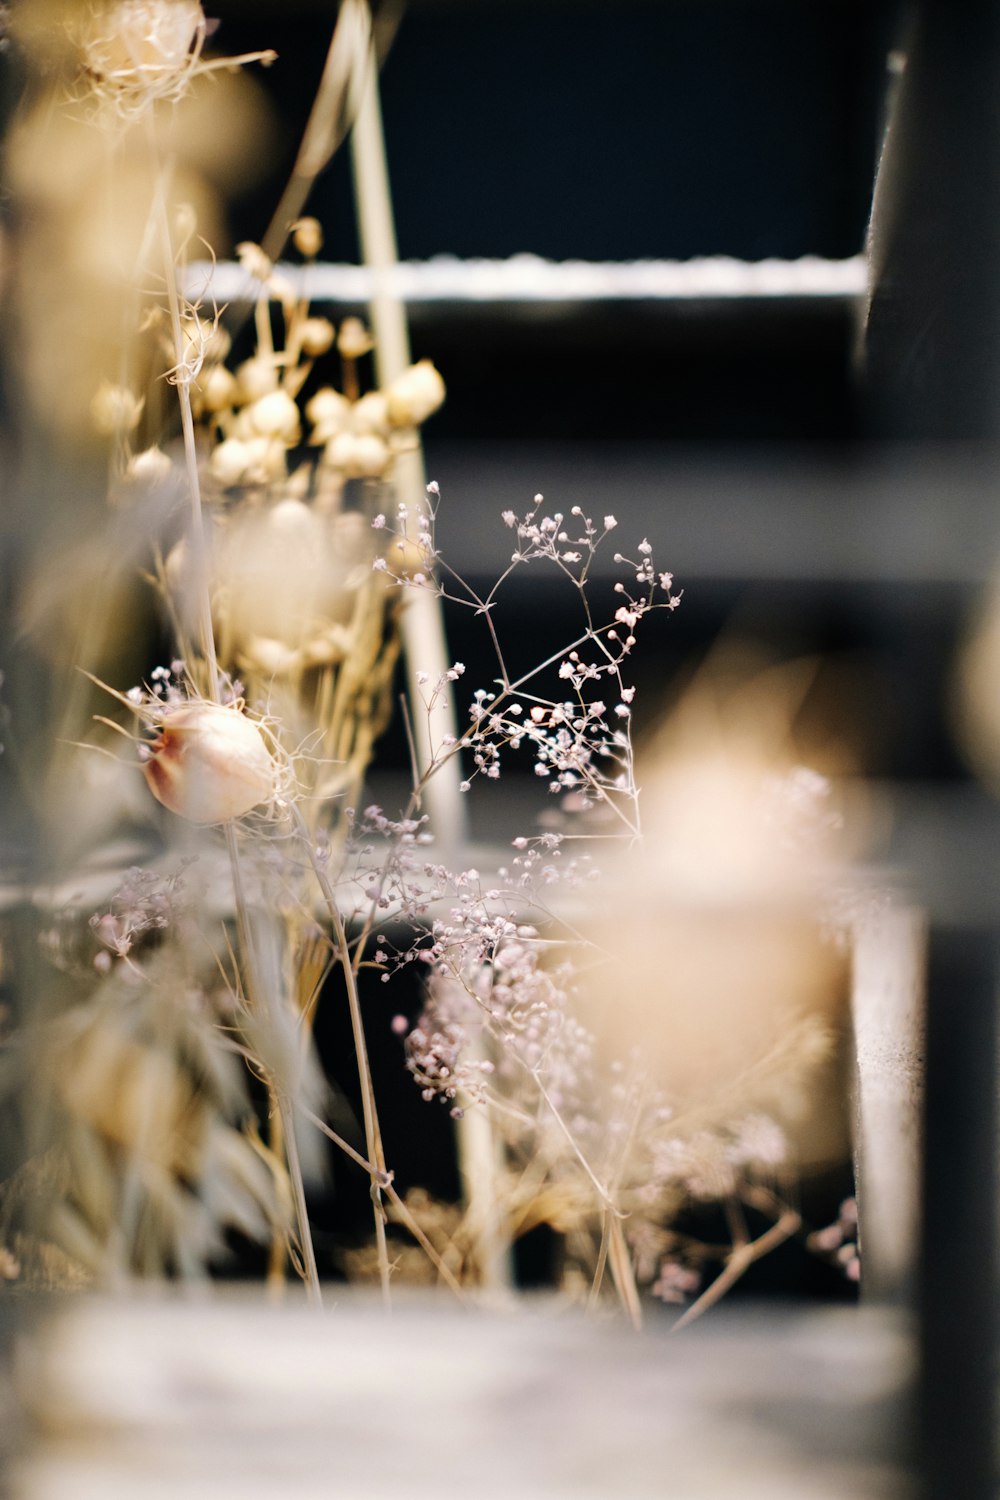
(316, 336)
(255, 378)
(139, 50)
(210, 763)
(354, 339)
(364, 456)
(253, 260)
(151, 467)
(115, 409)
(371, 414)
(218, 389)
(307, 237)
(276, 416)
(230, 462)
(267, 460)
(329, 412)
(415, 394)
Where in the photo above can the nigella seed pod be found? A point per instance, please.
(209, 763)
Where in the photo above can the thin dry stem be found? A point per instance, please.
(373, 1135)
(740, 1260)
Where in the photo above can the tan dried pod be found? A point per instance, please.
(115, 409)
(316, 336)
(354, 340)
(276, 416)
(355, 456)
(230, 462)
(371, 414)
(329, 412)
(307, 237)
(415, 394)
(217, 389)
(255, 378)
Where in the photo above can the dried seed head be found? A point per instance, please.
(357, 456)
(255, 378)
(204, 340)
(282, 576)
(329, 412)
(115, 409)
(268, 460)
(253, 260)
(317, 336)
(268, 657)
(276, 416)
(354, 340)
(210, 763)
(415, 394)
(371, 414)
(230, 463)
(151, 467)
(140, 50)
(218, 389)
(307, 237)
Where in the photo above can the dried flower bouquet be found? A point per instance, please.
(179, 1015)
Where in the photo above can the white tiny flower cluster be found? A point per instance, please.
(838, 1242)
(581, 744)
(144, 902)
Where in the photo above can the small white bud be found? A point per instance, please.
(253, 260)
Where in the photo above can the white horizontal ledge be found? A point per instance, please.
(530, 278)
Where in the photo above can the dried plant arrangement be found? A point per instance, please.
(177, 1097)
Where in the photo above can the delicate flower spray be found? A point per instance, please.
(283, 563)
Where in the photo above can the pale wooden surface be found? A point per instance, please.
(235, 1398)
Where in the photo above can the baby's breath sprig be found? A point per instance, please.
(581, 745)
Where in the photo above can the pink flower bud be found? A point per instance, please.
(209, 763)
